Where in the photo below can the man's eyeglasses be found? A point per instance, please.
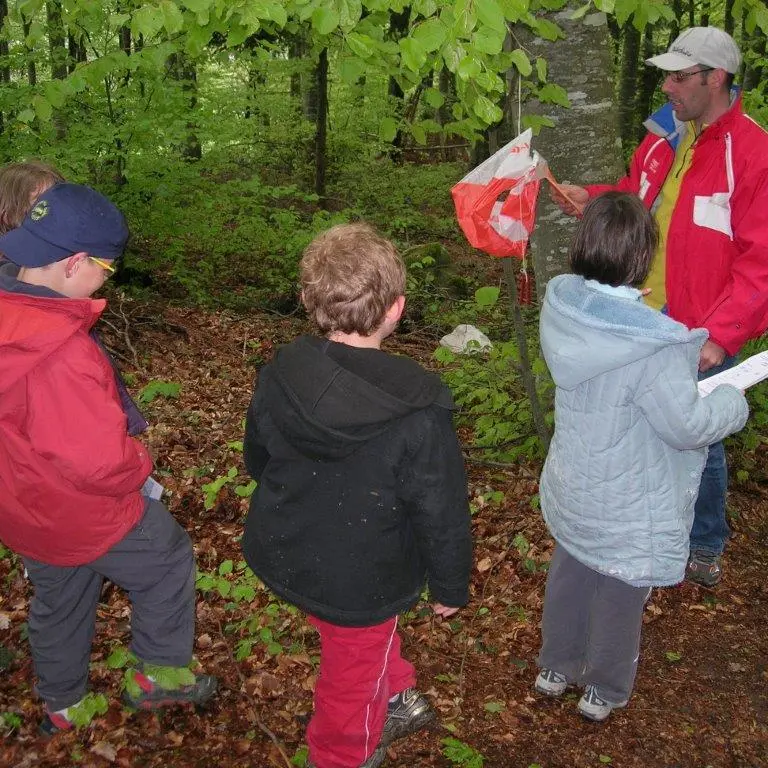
(105, 265)
(681, 77)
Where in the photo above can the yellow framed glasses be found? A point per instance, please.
(105, 265)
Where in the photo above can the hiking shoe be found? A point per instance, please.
(154, 696)
(54, 722)
(703, 568)
(407, 713)
(595, 708)
(550, 683)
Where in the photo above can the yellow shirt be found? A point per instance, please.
(667, 200)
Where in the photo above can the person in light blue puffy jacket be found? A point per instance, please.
(622, 474)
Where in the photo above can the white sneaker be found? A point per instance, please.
(595, 708)
(551, 683)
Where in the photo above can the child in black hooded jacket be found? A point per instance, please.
(361, 495)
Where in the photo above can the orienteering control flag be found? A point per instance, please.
(496, 202)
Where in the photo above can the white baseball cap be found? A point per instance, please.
(708, 46)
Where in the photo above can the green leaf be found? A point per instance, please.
(554, 94)
(419, 134)
(514, 10)
(147, 21)
(245, 491)
(26, 116)
(158, 388)
(581, 12)
(541, 69)
(487, 296)
(325, 20)
(490, 14)
(198, 6)
(494, 706)
(469, 68)
(466, 17)
(42, 107)
(673, 656)
(434, 98)
(548, 29)
(488, 41)
(226, 567)
(606, 6)
(486, 110)
(412, 54)
(430, 34)
(521, 61)
(388, 129)
(350, 12)
(173, 19)
(536, 123)
(361, 45)
(605, 759)
(351, 70)
(120, 657)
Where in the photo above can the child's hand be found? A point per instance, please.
(443, 610)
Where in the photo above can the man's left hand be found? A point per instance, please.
(711, 355)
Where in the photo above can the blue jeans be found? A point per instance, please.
(710, 529)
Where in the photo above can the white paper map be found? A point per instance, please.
(753, 370)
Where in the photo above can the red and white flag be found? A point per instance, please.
(496, 202)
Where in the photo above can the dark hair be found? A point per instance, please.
(616, 240)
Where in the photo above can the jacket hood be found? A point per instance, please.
(586, 333)
(35, 322)
(327, 398)
(664, 123)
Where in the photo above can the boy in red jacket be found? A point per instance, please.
(71, 477)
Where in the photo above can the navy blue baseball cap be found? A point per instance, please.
(66, 219)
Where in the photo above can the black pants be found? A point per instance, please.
(155, 564)
(591, 627)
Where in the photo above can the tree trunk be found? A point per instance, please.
(183, 71)
(628, 85)
(728, 22)
(674, 27)
(58, 54)
(398, 27)
(691, 13)
(321, 126)
(77, 52)
(706, 7)
(5, 70)
(649, 80)
(526, 371)
(752, 74)
(31, 68)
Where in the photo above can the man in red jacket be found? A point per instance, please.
(702, 170)
(71, 477)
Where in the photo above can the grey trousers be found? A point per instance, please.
(155, 564)
(591, 627)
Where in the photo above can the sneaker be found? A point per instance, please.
(703, 568)
(154, 696)
(595, 708)
(407, 713)
(550, 683)
(54, 722)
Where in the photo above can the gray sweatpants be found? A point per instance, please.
(155, 564)
(591, 627)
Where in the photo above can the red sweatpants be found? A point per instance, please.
(360, 670)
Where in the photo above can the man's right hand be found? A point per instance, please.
(569, 197)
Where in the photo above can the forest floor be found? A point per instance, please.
(701, 697)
